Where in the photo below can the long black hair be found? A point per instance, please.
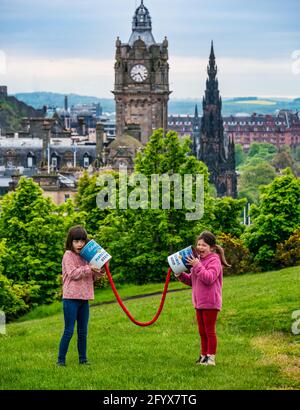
(75, 233)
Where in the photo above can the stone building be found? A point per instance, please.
(187, 125)
(30, 153)
(280, 129)
(55, 186)
(141, 80)
(214, 148)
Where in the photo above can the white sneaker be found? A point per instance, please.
(202, 360)
(210, 361)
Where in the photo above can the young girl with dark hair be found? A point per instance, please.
(78, 288)
(206, 278)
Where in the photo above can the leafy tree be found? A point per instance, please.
(283, 159)
(34, 230)
(13, 297)
(288, 252)
(83, 185)
(86, 199)
(261, 149)
(240, 156)
(252, 178)
(141, 239)
(298, 153)
(275, 219)
(237, 255)
(227, 216)
(261, 174)
(259, 153)
(169, 156)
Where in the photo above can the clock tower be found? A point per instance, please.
(141, 80)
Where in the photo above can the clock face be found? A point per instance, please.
(139, 73)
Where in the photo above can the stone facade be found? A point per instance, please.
(51, 185)
(280, 129)
(141, 81)
(215, 149)
(30, 153)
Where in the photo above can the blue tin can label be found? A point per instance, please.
(178, 261)
(94, 254)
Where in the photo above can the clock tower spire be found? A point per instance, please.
(141, 80)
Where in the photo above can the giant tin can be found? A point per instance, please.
(94, 254)
(178, 262)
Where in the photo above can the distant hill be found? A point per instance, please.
(243, 99)
(231, 106)
(39, 99)
(11, 113)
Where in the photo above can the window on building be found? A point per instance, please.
(86, 161)
(54, 162)
(29, 162)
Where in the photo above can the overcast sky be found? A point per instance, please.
(68, 46)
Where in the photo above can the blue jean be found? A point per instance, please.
(74, 310)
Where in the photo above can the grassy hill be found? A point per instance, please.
(11, 113)
(256, 349)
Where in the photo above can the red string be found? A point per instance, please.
(124, 307)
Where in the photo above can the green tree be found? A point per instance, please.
(298, 153)
(240, 156)
(227, 216)
(254, 177)
(283, 159)
(261, 149)
(86, 199)
(141, 239)
(259, 153)
(275, 219)
(34, 230)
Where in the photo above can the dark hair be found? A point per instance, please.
(75, 233)
(211, 240)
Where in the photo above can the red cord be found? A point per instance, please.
(124, 307)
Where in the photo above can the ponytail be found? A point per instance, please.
(221, 253)
(210, 239)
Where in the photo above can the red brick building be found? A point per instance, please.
(281, 129)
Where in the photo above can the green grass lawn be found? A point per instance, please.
(256, 348)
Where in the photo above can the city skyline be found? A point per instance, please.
(69, 47)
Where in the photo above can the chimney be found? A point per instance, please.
(81, 126)
(99, 138)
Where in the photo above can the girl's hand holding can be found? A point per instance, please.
(192, 261)
(99, 271)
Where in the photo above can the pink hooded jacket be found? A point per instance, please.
(206, 279)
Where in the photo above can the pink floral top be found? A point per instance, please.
(78, 277)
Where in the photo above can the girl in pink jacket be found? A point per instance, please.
(205, 278)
